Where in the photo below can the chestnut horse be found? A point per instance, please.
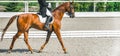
(29, 20)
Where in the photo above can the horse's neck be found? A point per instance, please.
(59, 12)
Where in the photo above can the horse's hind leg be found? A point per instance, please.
(14, 39)
(47, 39)
(26, 41)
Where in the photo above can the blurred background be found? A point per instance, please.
(80, 5)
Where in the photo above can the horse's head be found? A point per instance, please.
(65, 7)
(70, 10)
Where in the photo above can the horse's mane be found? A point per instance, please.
(60, 6)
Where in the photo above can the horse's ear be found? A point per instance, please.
(72, 2)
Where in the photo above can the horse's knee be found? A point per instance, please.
(25, 39)
(47, 40)
(15, 37)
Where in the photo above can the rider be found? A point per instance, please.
(42, 11)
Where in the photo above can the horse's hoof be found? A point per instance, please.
(65, 52)
(31, 52)
(39, 51)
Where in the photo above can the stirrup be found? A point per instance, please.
(47, 28)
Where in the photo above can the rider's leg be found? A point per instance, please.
(47, 27)
(43, 9)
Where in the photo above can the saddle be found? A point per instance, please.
(49, 15)
(43, 20)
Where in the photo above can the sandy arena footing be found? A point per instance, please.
(75, 47)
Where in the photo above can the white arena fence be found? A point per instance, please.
(77, 14)
(80, 33)
(57, 3)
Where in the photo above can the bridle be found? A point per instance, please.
(70, 12)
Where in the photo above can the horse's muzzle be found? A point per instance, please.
(72, 16)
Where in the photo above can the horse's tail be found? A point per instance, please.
(9, 23)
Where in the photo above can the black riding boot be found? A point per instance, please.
(47, 27)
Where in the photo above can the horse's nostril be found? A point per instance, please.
(72, 16)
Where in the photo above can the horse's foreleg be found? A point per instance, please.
(57, 32)
(13, 41)
(26, 41)
(47, 39)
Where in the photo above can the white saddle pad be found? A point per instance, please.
(43, 20)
